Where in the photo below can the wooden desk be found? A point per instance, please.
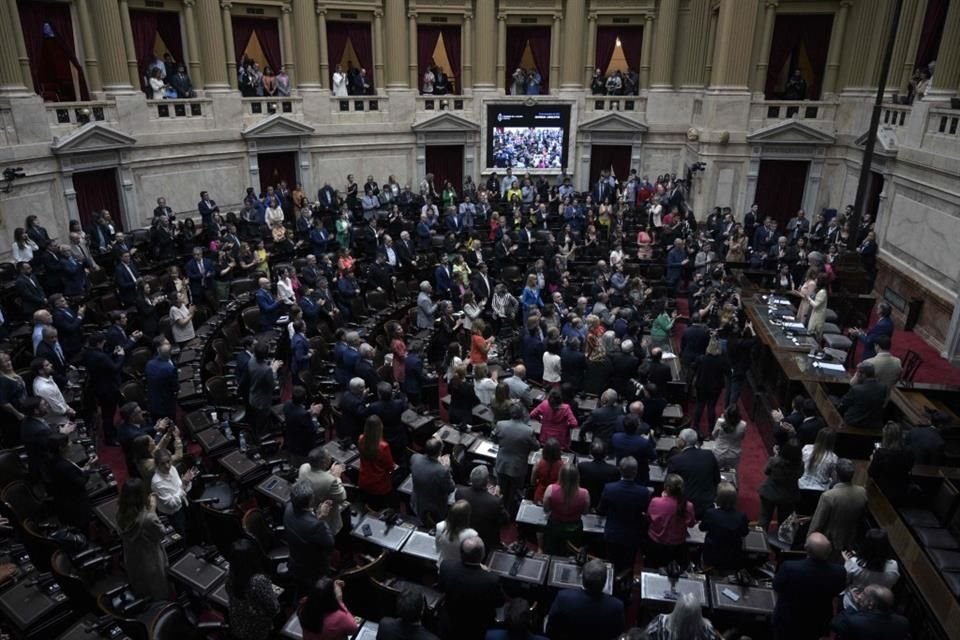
(927, 584)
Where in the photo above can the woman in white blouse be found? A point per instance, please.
(181, 320)
(23, 246)
(285, 290)
(551, 364)
(728, 438)
(872, 564)
(819, 462)
(274, 216)
(616, 256)
(339, 82)
(452, 531)
(484, 385)
(471, 310)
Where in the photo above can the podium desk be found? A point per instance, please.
(532, 569)
(393, 538)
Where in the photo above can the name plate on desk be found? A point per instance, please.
(485, 449)
(531, 513)
(655, 587)
(532, 569)
(421, 545)
(275, 488)
(392, 538)
(592, 523)
(568, 457)
(733, 597)
(566, 574)
(657, 473)
(199, 574)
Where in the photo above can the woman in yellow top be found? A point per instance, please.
(262, 258)
(514, 192)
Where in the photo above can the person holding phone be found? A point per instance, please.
(171, 490)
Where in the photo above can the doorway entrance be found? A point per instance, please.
(96, 191)
(780, 186)
(275, 167)
(445, 162)
(605, 156)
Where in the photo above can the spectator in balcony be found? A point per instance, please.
(631, 83)
(428, 81)
(23, 246)
(158, 66)
(269, 82)
(534, 82)
(283, 82)
(519, 82)
(598, 86)
(796, 88)
(340, 82)
(155, 85)
(615, 84)
(441, 86)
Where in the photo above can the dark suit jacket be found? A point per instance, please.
(572, 366)
(389, 412)
(310, 543)
(870, 625)
(481, 289)
(103, 371)
(603, 421)
(805, 592)
(487, 514)
(594, 476)
(471, 597)
(300, 434)
(432, 486)
(576, 614)
(659, 374)
(32, 296)
(883, 327)
(693, 342)
(34, 433)
(243, 374)
(701, 475)
(117, 336)
(862, 405)
(269, 309)
(45, 350)
(162, 385)
(353, 412)
(396, 629)
(70, 328)
(624, 504)
(444, 279)
(624, 368)
(263, 381)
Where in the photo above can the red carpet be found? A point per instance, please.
(933, 368)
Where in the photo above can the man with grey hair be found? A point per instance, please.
(874, 620)
(699, 470)
(308, 536)
(841, 510)
(487, 513)
(365, 368)
(623, 368)
(426, 308)
(324, 477)
(587, 612)
(516, 439)
(353, 410)
(862, 405)
(517, 383)
(602, 421)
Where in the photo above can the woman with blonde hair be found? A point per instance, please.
(452, 531)
(564, 503)
(819, 465)
(685, 622)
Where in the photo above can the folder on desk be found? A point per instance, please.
(829, 366)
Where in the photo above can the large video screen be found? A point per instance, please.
(524, 137)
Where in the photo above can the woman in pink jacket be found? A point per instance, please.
(556, 418)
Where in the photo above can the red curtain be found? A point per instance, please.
(539, 39)
(48, 34)
(630, 41)
(445, 162)
(275, 167)
(97, 190)
(358, 33)
(933, 21)
(602, 157)
(427, 36)
(780, 189)
(146, 25)
(793, 34)
(268, 33)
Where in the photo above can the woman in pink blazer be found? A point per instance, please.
(556, 418)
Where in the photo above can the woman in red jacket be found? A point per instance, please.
(556, 418)
(376, 465)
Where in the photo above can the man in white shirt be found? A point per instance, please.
(45, 387)
(171, 490)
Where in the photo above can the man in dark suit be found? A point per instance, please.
(487, 513)
(862, 405)
(307, 535)
(624, 368)
(481, 285)
(207, 208)
(300, 426)
(471, 593)
(268, 305)
(415, 378)
(699, 470)
(634, 441)
(162, 382)
(117, 335)
(327, 198)
(432, 483)
(300, 351)
(693, 343)
(103, 374)
(125, 276)
(70, 325)
(805, 592)
(596, 473)
(407, 625)
(406, 253)
(587, 612)
(132, 426)
(516, 439)
(365, 367)
(443, 278)
(50, 349)
(624, 504)
(655, 371)
(263, 382)
(874, 620)
(32, 295)
(882, 327)
(242, 369)
(52, 269)
(603, 420)
(389, 407)
(200, 271)
(353, 410)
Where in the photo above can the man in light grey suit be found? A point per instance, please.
(425, 306)
(516, 439)
(841, 510)
(517, 383)
(432, 483)
(325, 480)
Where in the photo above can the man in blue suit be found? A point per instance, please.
(453, 222)
(300, 349)
(269, 306)
(805, 592)
(414, 376)
(32, 295)
(443, 278)
(117, 335)
(69, 323)
(242, 369)
(162, 383)
(587, 612)
(200, 271)
(74, 274)
(882, 327)
(624, 504)
(207, 208)
(125, 274)
(676, 259)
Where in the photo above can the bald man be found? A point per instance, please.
(805, 592)
(875, 620)
(472, 593)
(269, 306)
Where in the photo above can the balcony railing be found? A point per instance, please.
(358, 104)
(769, 111)
(287, 105)
(444, 103)
(630, 104)
(894, 115)
(178, 109)
(67, 116)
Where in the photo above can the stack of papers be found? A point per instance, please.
(829, 366)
